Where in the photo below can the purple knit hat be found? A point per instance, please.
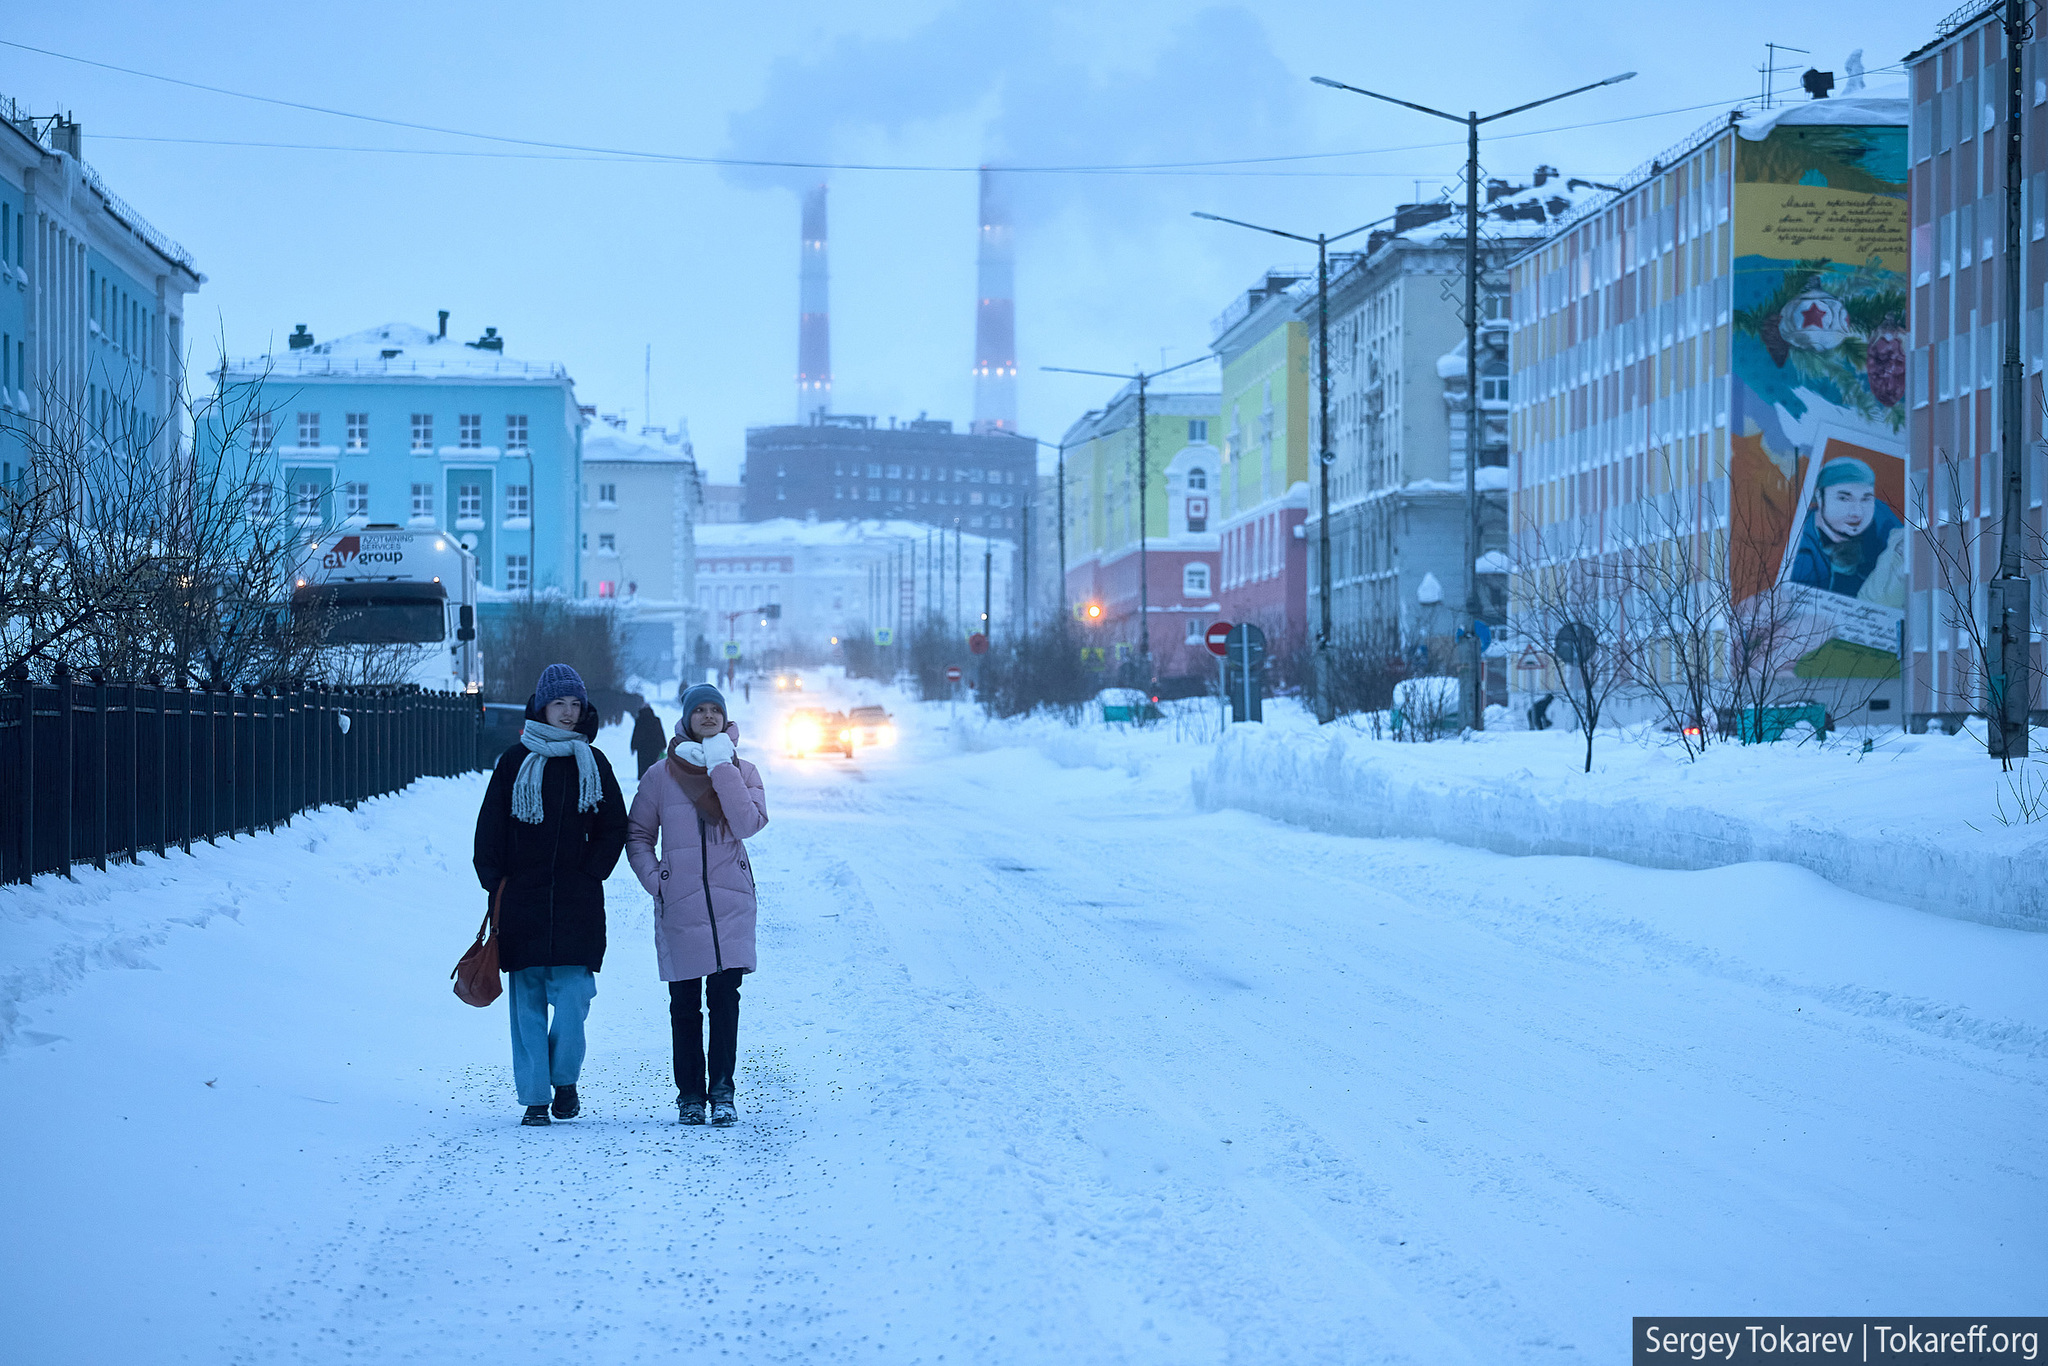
(559, 680)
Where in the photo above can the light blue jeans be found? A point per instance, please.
(546, 1055)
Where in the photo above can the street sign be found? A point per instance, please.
(1245, 660)
(884, 635)
(977, 644)
(732, 649)
(952, 673)
(1216, 638)
(1091, 658)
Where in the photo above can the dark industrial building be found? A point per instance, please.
(842, 468)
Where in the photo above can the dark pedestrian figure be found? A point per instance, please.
(650, 742)
(552, 826)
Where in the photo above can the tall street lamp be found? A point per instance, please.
(1473, 705)
(1326, 457)
(1141, 378)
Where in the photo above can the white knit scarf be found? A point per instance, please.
(552, 742)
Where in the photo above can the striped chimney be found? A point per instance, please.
(995, 317)
(814, 324)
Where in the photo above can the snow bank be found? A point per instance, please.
(1895, 824)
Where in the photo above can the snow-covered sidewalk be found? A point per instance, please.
(1042, 1065)
(1916, 820)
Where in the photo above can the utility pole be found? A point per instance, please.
(2010, 684)
(959, 611)
(1325, 457)
(1142, 379)
(1030, 502)
(1472, 703)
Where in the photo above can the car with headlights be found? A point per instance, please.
(788, 680)
(813, 730)
(872, 727)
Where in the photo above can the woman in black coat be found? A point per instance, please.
(550, 832)
(650, 741)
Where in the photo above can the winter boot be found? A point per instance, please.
(566, 1104)
(689, 1111)
(536, 1114)
(722, 1112)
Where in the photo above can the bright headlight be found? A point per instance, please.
(805, 734)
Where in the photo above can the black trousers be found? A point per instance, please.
(720, 994)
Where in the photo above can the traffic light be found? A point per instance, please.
(1089, 612)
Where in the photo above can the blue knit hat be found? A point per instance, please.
(559, 680)
(696, 696)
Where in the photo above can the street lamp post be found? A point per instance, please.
(1142, 379)
(1325, 457)
(1474, 705)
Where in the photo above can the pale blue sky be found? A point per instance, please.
(586, 261)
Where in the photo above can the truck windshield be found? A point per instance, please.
(377, 613)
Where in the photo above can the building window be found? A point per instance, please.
(517, 573)
(874, 494)
(306, 500)
(607, 543)
(355, 501)
(469, 506)
(469, 431)
(262, 431)
(259, 502)
(1198, 429)
(515, 432)
(358, 431)
(1493, 384)
(422, 433)
(1198, 478)
(607, 589)
(895, 471)
(309, 429)
(423, 503)
(517, 503)
(975, 520)
(1194, 633)
(607, 495)
(1194, 580)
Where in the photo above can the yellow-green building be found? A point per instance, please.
(1165, 598)
(1267, 388)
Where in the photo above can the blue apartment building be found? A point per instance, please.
(91, 300)
(399, 424)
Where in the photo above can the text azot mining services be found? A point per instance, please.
(1922, 1341)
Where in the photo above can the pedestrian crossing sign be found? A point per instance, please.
(883, 635)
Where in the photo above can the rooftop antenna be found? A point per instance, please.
(647, 389)
(1770, 66)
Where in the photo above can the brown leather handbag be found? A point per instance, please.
(476, 972)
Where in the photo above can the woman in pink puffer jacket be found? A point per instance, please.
(702, 801)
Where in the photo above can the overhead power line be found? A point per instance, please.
(586, 151)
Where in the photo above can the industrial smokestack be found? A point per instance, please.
(995, 317)
(814, 324)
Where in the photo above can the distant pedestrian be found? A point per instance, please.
(552, 826)
(650, 743)
(747, 688)
(702, 801)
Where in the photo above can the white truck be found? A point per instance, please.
(393, 606)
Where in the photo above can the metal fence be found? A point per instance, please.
(94, 771)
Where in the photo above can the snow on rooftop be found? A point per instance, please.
(792, 531)
(605, 442)
(1887, 104)
(397, 349)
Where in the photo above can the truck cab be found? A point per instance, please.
(394, 605)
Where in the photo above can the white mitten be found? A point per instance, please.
(718, 750)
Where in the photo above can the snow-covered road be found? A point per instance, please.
(1041, 1065)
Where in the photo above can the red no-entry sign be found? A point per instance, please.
(1216, 637)
(952, 673)
(977, 644)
